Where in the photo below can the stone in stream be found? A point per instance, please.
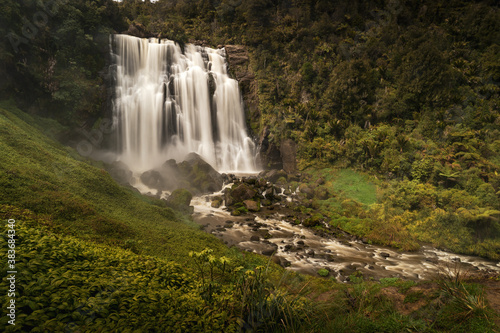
(217, 201)
(384, 255)
(239, 193)
(255, 238)
(329, 258)
(252, 205)
(269, 251)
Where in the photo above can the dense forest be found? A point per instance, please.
(401, 96)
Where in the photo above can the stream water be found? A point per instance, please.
(301, 249)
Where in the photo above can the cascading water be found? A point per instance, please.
(168, 103)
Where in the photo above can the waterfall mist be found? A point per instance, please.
(169, 103)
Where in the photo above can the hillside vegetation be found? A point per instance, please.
(93, 256)
(394, 105)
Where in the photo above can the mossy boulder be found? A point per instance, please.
(252, 205)
(180, 199)
(306, 191)
(193, 174)
(239, 193)
(217, 201)
(202, 177)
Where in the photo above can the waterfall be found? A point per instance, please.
(168, 103)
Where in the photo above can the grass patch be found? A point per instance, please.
(354, 185)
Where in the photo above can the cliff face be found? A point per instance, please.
(239, 66)
(271, 155)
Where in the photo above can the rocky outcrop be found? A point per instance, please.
(193, 174)
(138, 30)
(270, 155)
(239, 67)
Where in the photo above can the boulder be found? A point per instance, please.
(180, 199)
(239, 193)
(193, 174)
(309, 192)
(201, 176)
(120, 172)
(274, 175)
(251, 205)
(153, 179)
(217, 201)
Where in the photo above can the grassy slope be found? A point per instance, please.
(82, 200)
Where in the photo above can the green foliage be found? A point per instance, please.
(251, 297)
(323, 272)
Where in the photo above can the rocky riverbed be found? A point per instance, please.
(271, 231)
(270, 213)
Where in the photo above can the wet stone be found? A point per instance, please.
(255, 238)
(268, 252)
(384, 255)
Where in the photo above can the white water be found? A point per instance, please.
(164, 109)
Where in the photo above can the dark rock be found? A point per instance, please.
(153, 179)
(274, 175)
(138, 30)
(320, 181)
(285, 263)
(255, 238)
(120, 172)
(201, 175)
(268, 252)
(240, 193)
(270, 154)
(384, 255)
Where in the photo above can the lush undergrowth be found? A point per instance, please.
(404, 214)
